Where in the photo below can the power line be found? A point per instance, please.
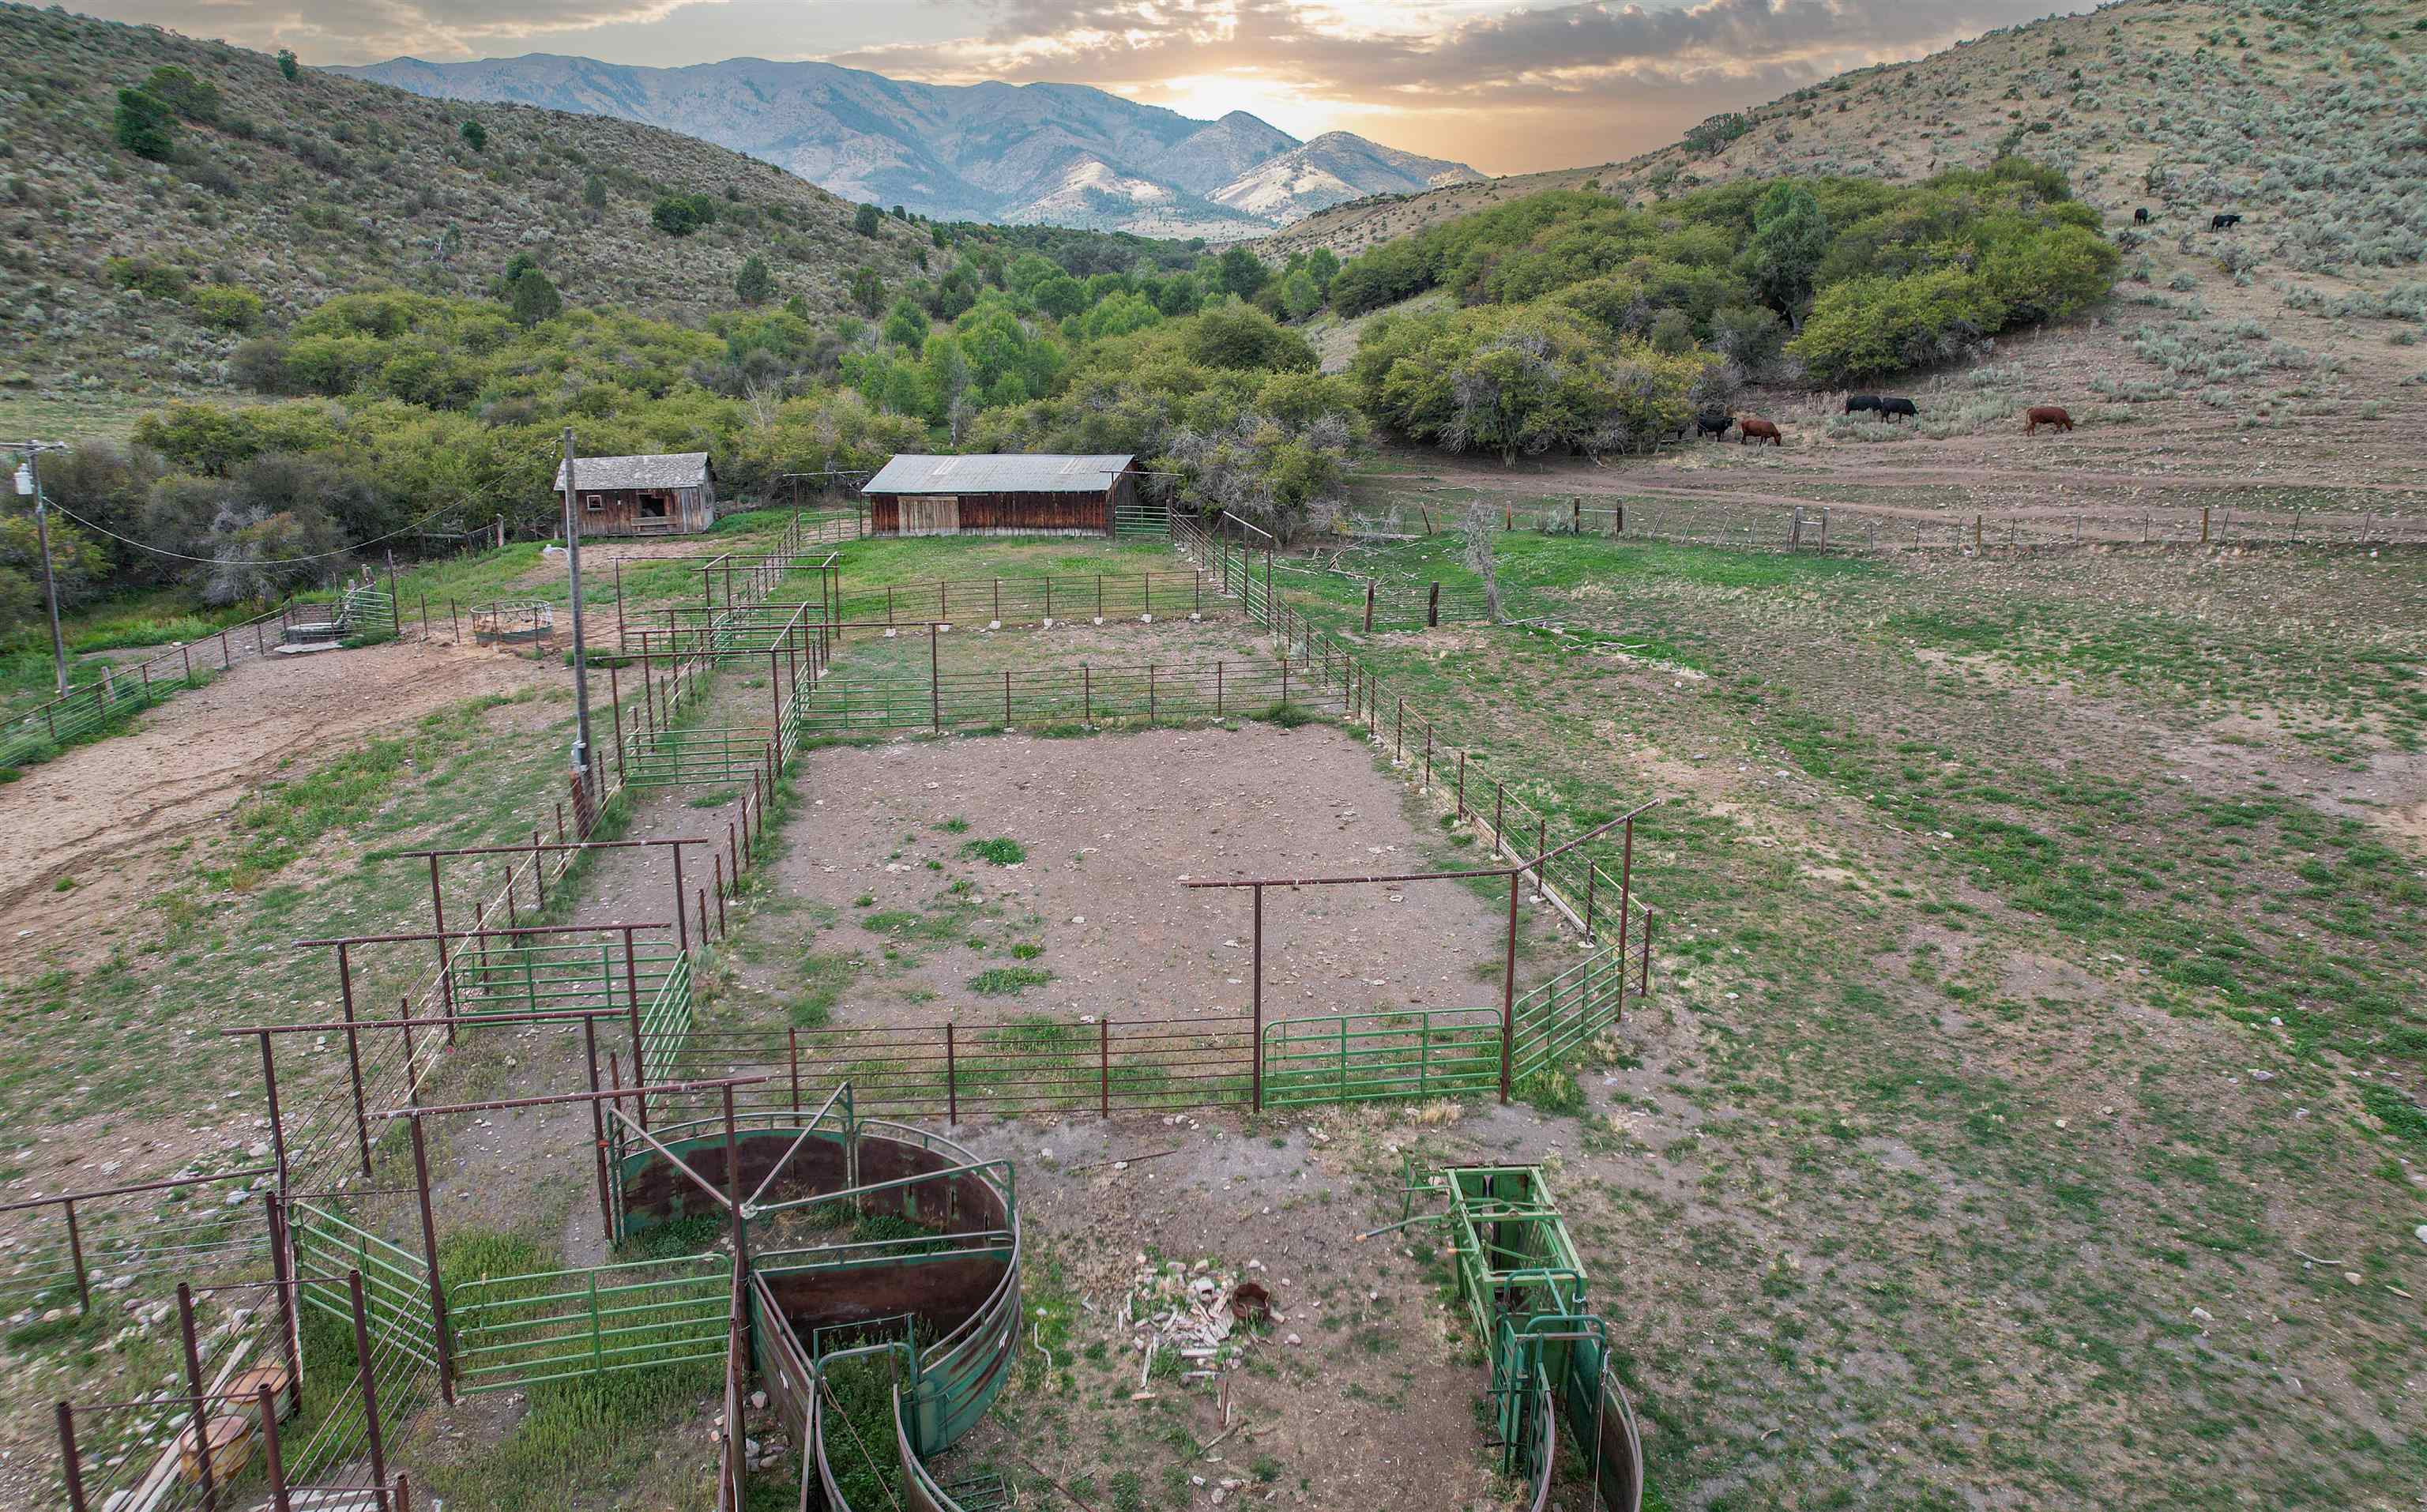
(273, 561)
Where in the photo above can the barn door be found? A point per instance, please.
(938, 516)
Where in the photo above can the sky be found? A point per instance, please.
(1506, 87)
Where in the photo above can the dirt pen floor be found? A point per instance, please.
(882, 909)
(102, 818)
(1110, 827)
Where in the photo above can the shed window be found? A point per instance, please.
(593, 501)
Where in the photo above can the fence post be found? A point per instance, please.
(68, 1458)
(1256, 1000)
(271, 1461)
(429, 1256)
(1508, 987)
(935, 687)
(1643, 985)
(1104, 1068)
(75, 1253)
(1432, 608)
(1462, 783)
(354, 1058)
(952, 1077)
(226, 661)
(374, 1444)
(194, 1385)
(1369, 608)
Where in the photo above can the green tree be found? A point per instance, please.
(1791, 236)
(866, 220)
(1300, 298)
(226, 306)
(1242, 273)
(756, 286)
(906, 324)
(679, 215)
(867, 290)
(594, 192)
(197, 100)
(475, 135)
(1061, 295)
(535, 299)
(286, 64)
(145, 125)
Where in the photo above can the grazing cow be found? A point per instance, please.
(2048, 415)
(2141, 217)
(1756, 429)
(1714, 424)
(1855, 403)
(2221, 223)
(1890, 407)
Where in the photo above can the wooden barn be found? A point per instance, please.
(1001, 495)
(670, 494)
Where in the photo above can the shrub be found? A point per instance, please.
(535, 297)
(866, 220)
(755, 284)
(286, 64)
(679, 215)
(197, 100)
(1872, 326)
(145, 125)
(475, 135)
(226, 306)
(158, 281)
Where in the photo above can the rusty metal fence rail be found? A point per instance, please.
(1046, 696)
(1048, 598)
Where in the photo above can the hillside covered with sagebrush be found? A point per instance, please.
(146, 240)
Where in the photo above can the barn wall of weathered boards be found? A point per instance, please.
(1000, 495)
(668, 494)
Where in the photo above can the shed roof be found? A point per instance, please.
(670, 469)
(994, 474)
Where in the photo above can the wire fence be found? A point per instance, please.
(1852, 525)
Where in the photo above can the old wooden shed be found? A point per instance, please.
(998, 494)
(666, 494)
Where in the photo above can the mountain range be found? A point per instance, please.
(1057, 153)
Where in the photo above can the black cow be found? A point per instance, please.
(1715, 424)
(2141, 217)
(1857, 403)
(1891, 406)
(2219, 222)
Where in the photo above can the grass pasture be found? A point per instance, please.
(2029, 1095)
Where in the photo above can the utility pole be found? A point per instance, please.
(580, 649)
(29, 481)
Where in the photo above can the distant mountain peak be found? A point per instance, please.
(1062, 154)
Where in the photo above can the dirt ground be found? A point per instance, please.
(1112, 826)
(1362, 1396)
(104, 814)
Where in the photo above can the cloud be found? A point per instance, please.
(1356, 55)
(1505, 85)
(347, 31)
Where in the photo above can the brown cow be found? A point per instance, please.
(1756, 429)
(2049, 415)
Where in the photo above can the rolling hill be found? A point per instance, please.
(2229, 103)
(1060, 154)
(299, 189)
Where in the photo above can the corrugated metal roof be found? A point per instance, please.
(671, 469)
(997, 474)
